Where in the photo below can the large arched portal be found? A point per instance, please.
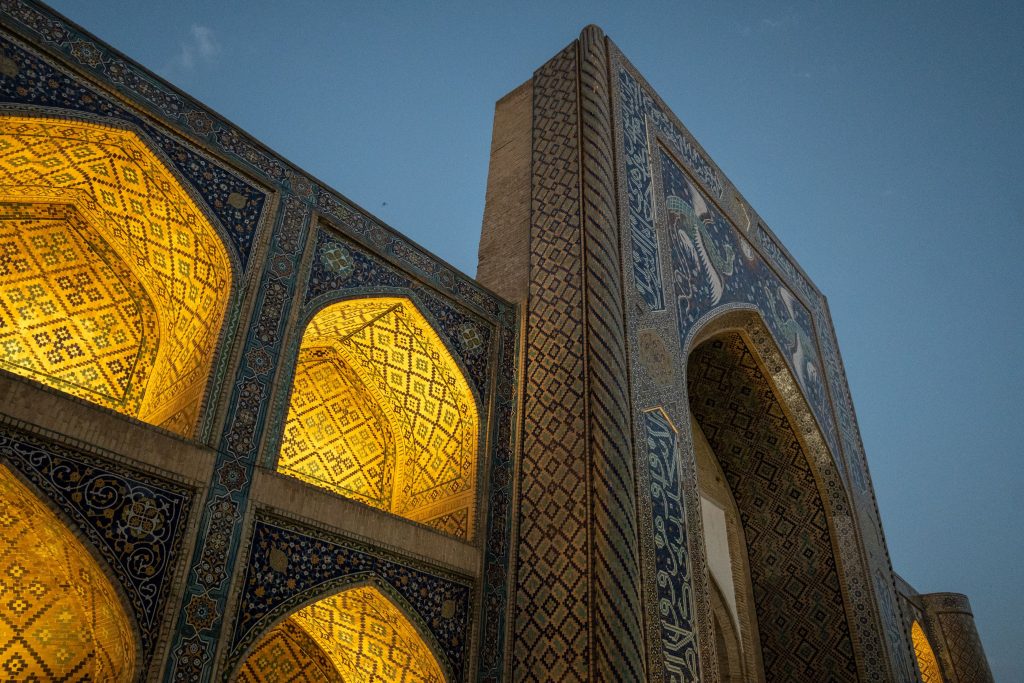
(60, 618)
(798, 601)
(380, 412)
(357, 636)
(113, 284)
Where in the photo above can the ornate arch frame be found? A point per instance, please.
(846, 543)
(271, 446)
(336, 587)
(230, 322)
(139, 673)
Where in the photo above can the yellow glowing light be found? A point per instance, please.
(60, 618)
(368, 639)
(113, 284)
(288, 653)
(381, 412)
(926, 661)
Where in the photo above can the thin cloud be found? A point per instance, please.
(768, 24)
(200, 47)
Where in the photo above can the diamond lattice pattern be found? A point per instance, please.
(926, 662)
(60, 618)
(381, 412)
(113, 284)
(369, 639)
(287, 654)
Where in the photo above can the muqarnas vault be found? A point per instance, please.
(248, 432)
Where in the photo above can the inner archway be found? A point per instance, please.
(60, 618)
(356, 636)
(113, 283)
(927, 664)
(801, 618)
(380, 412)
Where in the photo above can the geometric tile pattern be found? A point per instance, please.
(31, 82)
(798, 598)
(617, 635)
(672, 559)
(720, 255)
(964, 649)
(926, 662)
(552, 603)
(341, 266)
(235, 202)
(212, 566)
(337, 436)
(368, 638)
(60, 619)
(72, 315)
(408, 443)
(280, 578)
(157, 241)
(287, 654)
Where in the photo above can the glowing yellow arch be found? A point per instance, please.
(926, 662)
(381, 412)
(113, 284)
(60, 619)
(357, 636)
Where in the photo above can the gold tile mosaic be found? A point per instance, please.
(381, 412)
(113, 284)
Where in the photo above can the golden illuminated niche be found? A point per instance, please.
(926, 662)
(363, 635)
(60, 618)
(288, 653)
(380, 412)
(113, 284)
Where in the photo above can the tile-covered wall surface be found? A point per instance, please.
(694, 250)
(285, 266)
(133, 520)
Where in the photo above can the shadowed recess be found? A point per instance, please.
(113, 284)
(798, 601)
(380, 412)
(60, 619)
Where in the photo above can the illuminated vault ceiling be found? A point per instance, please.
(381, 412)
(60, 618)
(113, 284)
(288, 653)
(368, 639)
(926, 661)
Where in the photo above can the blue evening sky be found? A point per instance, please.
(881, 141)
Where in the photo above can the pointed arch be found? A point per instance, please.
(361, 633)
(381, 412)
(61, 616)
(802, 555)
(115, 284)
(927, 664)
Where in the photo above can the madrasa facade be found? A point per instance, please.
(250, 433)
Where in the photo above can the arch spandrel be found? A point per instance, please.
(60, 617)
(131, 205)
(400, 365)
